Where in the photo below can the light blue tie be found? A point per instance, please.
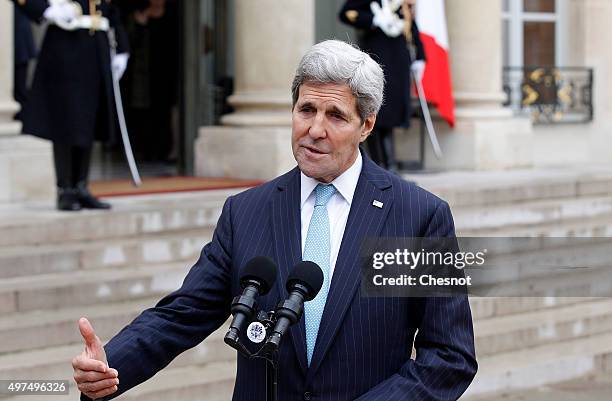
(317, 249)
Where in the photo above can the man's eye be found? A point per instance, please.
(337, 116)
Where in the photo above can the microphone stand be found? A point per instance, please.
(275, 325)
(272, 376)
(268, 352)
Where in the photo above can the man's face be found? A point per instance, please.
(327, 130)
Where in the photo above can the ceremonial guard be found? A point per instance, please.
(71, 101)
(387, 32)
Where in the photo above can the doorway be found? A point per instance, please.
(178, 79)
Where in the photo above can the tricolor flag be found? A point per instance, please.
(431, 20)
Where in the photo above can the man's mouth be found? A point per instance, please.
(314, 150)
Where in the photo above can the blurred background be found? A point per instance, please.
(207, 100)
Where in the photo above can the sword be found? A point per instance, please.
(427, 117)
(121, 117)
(431, 132)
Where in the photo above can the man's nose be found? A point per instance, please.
(317, 129)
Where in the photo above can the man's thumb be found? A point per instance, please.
(92, 342)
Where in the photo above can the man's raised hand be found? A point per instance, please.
(91, 372)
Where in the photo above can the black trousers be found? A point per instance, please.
(20, 90)
(71, 165)
(381, 147)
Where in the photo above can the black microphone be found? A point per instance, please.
(303, 285)
(257, 278)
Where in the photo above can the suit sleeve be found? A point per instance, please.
(445, 362)
(180, 320)
(34, 9)
(357, 13)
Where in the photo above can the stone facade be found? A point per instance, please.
(26, 172)
(254, 141)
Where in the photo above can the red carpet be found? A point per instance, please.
(159, 185)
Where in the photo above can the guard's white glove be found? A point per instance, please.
(386, 18)
(62, 14)
(418, 69)
(119, 64)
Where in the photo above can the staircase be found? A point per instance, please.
(109, 266)
(525, 342)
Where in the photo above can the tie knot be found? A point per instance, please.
(323, 194)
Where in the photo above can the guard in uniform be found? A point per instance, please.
(387, 32)
(71, 101)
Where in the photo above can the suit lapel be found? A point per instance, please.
(286, 229)
(364, 220)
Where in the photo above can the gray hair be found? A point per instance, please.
(334, 61)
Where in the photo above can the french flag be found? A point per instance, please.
(431, 20)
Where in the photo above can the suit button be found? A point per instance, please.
(307, 396)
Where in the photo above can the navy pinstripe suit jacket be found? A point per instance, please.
(364, 344)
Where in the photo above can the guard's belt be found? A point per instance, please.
(92, 23)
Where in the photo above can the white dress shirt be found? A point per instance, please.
(338, 206)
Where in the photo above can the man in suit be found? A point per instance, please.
(71, 102)
(347, 346)
(388, 32)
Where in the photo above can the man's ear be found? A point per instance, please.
(368, 125)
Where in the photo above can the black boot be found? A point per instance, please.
(87, 200)
(68, 200)
(82, 158)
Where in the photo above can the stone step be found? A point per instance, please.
(531, 214)
(489, 307)
(131, 216)
(16, 261)
(211, 382)
(55, 362)
(478, 188)
(27, 331)
(528, 330)
(598, 226)
(89, 287)
(545, 364)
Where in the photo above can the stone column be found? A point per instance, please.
(255, 140)
(8, 107)
(486, 135)
(26, 172)
(598, 55)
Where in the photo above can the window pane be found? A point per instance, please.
(539, 6)
(539, 43)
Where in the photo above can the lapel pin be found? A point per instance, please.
(378, 204)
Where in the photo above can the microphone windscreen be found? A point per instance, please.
(261, 269)
(308, 274)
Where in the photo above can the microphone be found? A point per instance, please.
(257, 278)
(303, 285)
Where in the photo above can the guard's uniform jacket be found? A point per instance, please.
(392, 54)
(71, 101)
